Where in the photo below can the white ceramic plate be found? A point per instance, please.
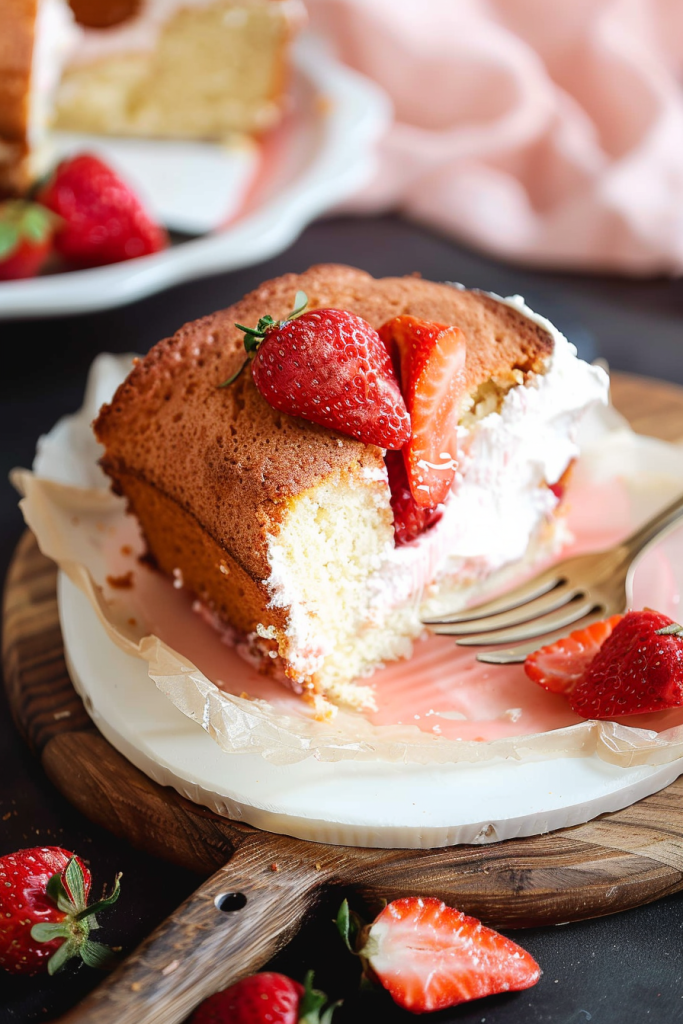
(321, 156)
(351, 803)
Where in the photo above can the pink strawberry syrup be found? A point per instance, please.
(442, 689)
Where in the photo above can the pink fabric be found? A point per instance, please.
(548, 131)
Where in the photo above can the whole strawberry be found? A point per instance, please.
(44, 916)
(266, 998)
(410, 521)
(103, 220)
(638, 669)
(26, 231)
(430, 956)
(330, 367)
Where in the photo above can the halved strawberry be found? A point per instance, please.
(410, 521)
(638, 669)
(558, 667)
(430, 956)
(432, 362)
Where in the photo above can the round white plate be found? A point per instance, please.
(350, 803)
(323, 156)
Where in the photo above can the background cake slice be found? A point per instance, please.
(194, 69)
(284, 530)
(179, 69)
(36, 38)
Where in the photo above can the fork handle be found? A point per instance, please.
(654, 528)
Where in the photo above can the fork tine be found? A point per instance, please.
(543, 605)
(539, 585)
(559, 619)
(514, 655)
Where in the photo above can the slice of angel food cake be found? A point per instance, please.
(380, 449)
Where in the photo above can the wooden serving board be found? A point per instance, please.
(271, 882)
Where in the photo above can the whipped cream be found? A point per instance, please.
(140, 33)
(499, 499)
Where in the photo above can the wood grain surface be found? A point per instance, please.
(619, 861)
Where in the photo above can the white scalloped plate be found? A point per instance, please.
(348, 802)
(322, 155)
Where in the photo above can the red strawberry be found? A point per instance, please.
(104, 220)
(265, 999)
(330, 367)
(638, 669)
(409, 520)
(44, 917)
(430, 956)
(432, 361)
(559, 666)
(26, 231)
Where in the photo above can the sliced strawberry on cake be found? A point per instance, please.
(432, 361)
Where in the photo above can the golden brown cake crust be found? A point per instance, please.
(17, 29)
(227, 457)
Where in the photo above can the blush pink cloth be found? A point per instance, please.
(547, 131)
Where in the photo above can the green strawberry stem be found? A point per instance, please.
(253, 336)
(66, 889)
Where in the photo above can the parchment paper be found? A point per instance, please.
(74, 516)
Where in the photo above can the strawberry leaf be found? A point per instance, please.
(673, 630)
(74, 884)
(300, 304)
(57, 892)
(96, 954)
(106, 901)
(312, 1002)
(9, 238)
(47, 931)
(60, 956)
(349, 926)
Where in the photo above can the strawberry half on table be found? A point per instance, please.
(430, 956)
(44, 914)
(26, 231)
(626, 665)
(431, 357)
(330, 367)
(102, 218)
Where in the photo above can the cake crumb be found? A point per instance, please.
(274, 867)
(124, 582)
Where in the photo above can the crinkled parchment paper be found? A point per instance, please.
(67, 503)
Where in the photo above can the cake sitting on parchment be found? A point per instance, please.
(285, 532)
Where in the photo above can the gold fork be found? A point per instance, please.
(567, 596)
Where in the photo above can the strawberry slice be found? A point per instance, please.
(432, 362)
(638, 669)
(409, 520)
(430, 956)
(559, 666)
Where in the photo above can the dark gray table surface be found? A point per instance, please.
(624, 969)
